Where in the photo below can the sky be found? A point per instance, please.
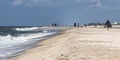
(64, 12)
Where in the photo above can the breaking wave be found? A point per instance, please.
(27, 29)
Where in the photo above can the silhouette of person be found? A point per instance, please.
(55, 24)
(75, 24)
(108, 24)
(78, 24)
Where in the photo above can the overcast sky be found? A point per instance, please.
(44, 12)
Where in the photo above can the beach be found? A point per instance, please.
(77, 44)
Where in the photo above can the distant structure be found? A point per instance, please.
(115, 23)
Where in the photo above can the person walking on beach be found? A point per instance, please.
(108, 24)
(78, 24)
(75, 24)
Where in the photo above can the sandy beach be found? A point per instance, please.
(77, 44)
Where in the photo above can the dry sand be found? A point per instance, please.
(77, 44)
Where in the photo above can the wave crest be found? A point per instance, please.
(27, 29)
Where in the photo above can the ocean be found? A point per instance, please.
(16, 39)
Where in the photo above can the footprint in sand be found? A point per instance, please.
(74, 55)
(62, 57)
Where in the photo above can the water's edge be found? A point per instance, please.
(34, 45)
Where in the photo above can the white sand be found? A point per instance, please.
(78, 44)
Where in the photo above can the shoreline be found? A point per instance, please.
(77, 44)
(39, 43)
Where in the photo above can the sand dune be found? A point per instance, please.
(77, 44)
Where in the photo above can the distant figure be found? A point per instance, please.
(95, 25)
(85, 25)
(78, 24)
(55, 24)
(108, 24)
(81, 25)
(75, 24)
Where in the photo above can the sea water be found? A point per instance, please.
(14, 40)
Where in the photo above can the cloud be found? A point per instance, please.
(112, 3)
(108, 4)
(40, 2)
(79, 3)
(95, 3)
(17, 2)
(45, 2)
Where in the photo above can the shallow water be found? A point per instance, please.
(20, 39)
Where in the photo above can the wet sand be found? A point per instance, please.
(77, 44)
